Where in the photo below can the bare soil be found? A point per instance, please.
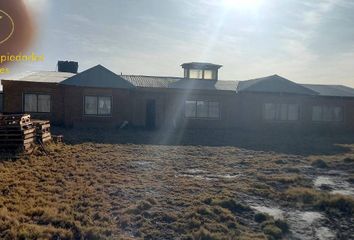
(135, 184)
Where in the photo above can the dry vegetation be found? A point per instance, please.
(97, 187)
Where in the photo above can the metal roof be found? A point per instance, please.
(273, 84)
(205, 85)
(180, 83)
(150, 81)
(201, 65)
(46, 76)
(331, 90)
(100, 76)
(97, 76)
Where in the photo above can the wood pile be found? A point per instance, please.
(42, 131)
(18, 133)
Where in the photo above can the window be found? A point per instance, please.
(202, 109)
(98, 105)
(281, 112)
(208, 74)
(200, 74)
(196, 73)
(190, 109)
(37, 103)
(327, 114)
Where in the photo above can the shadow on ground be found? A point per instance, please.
(288, 143)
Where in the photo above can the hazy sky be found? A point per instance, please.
(305, 41)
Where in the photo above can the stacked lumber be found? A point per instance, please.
(17, 133)
(42, 131)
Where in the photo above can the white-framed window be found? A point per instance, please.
(200, 74)
(98, 105)
(327, 114)
(35, 102)
(281, 112)
(208, 74)
(196, 73)
(202, 109)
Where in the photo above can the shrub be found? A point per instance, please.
(348, 160)
(272, 231)
(319, 163)
(303, 195)
(232, 205)
(203, 234)
(341, 203)
(261, 217)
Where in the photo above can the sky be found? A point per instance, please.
(302, 40)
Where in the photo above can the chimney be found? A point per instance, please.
(68, 66)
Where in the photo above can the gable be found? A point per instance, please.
(97, 76)
(273, 84)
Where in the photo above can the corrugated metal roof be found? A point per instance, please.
(205, 85)
(97, 76)
(150, 81)
(331, 90)
(273, 84)
(180, 83)
(46, 76)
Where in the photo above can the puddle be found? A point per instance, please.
(195, 171)
(143, 165)
(335, 184)
(204, 175)
(321, 181)
(311, 217)
(197, 177)
(306, 225)
(276, 213)
(324, 233)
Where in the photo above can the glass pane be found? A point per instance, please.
(190, 109)
(202, 109)
(269, 111)
(208, 74)
(214, 111)
(43, 103)
(293, 112)
(338, 114)
(104, 105)
(90, 105)
(327, 113)
(30, 103)
(283, 113)
(316, 113)
(195, 73)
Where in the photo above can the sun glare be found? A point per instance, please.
(242, 4)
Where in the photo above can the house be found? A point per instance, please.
(99, 97)
(1, 101)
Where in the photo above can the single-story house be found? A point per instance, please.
(1, 101)
(99, 97)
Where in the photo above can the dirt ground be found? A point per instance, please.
(135, 184)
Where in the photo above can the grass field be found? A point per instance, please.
(195, 185)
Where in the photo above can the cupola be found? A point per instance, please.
(198, 70)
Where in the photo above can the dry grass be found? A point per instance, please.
(93, 190)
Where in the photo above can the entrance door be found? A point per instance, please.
(150, 120)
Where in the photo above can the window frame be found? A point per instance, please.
(278, 112)
(208, 110)
(213, 73)
(36, 94)
(322, 118)
(97, 108)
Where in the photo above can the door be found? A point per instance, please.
(150, 120)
